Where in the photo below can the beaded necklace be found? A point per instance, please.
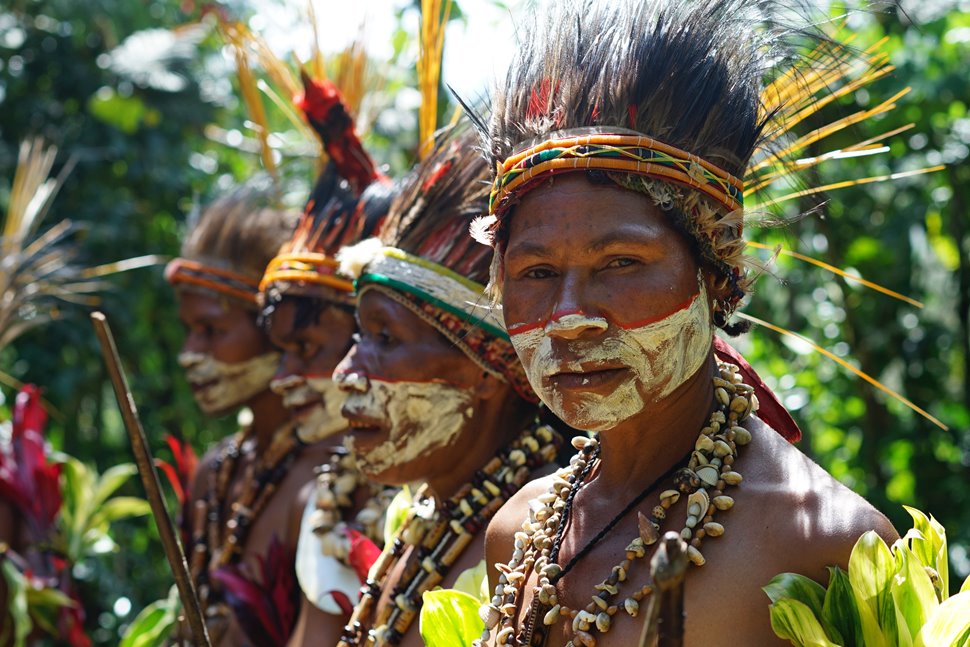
(439, 535)
(218, 539)
(710, 467)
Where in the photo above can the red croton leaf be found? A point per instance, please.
(27, 478)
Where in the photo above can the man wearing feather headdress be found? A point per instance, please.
(435, 393)
(243, 511)
(617, 140)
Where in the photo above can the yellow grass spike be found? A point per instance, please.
(434, 19)
(353, 75)
(844, 364)
(835, 270)
(255, 108)
(844, 184)
(316, 57)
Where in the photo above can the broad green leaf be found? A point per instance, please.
(396, 513)
(112, 479)
(20, 624)
(473, 582)
(931, 547)
(839, 609)
(121, 507)
(450, 618)
(949, 625)
(803, 589)
(153, 626)
(913, 594)
(871, 568)
(794, 621)
(966, 585)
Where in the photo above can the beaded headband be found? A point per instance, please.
(308, 268)
(225, 282)
(445, 300)
(625, 153)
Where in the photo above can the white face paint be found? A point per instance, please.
(417, 417)
(659, 356)
(219, 387)
(315, 404)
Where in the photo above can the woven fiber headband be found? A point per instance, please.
(636, 154)
(227, 282)
(307, 268)
(435, 284)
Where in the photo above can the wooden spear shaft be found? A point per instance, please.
(149, 478)
(664, 626)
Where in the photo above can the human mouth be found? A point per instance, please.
(588, 377)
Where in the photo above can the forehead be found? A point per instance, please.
(571, 211)
(197, 305)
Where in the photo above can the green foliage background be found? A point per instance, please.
(145, 157)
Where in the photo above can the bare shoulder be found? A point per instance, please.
(793, 514)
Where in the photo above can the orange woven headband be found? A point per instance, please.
(635, 154)
(233, 284)
(306, 267)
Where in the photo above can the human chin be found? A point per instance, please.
(395, 424)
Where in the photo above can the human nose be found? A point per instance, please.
(349, 375)
(571, 318)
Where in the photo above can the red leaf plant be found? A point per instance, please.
(265, 606)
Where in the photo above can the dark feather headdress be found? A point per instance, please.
(695, 104)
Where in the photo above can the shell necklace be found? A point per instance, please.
(711, 467)
(439, 535)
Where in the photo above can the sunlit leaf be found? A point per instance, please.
(949, 626)
(473, 581)
(912, 592)
(450, 618)
(152, 627)
(794, 621)
(871, 568)
(839, 609)
(121, 507)
(20, 624)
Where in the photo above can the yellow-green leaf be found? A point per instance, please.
(913, 594)
(153, 626)
(839, 609)
(930, 546)
(871, 568)
(20, 624)
(471, 581)
(794, 621)
(949, 626)
(450, 618)
(396, 513)
(120, 507)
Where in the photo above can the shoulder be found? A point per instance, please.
(805, 505)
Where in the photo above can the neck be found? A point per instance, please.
(493, 426)
(639, 450)
(269, 415)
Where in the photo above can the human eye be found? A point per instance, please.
(621, 262)
(538, 273)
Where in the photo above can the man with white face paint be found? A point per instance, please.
(229, 362)
(308, 312)
(618, 140)
(436, 397)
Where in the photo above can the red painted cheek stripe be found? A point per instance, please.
(646, 322)
(523, 328)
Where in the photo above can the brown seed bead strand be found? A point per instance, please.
(218, 540)
(439, 536)
(709, 472)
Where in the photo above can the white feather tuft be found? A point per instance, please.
(354, 258)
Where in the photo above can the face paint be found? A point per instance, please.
(219, 387)
(314, 402)
(417, 417)
(655, 357)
